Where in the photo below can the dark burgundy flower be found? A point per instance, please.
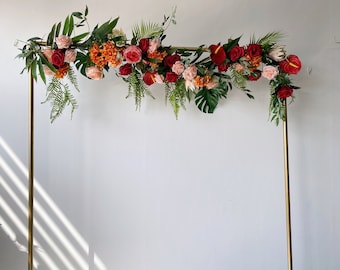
(217, 54)
(285, 91)
(125, 69)
(255, 75)
(236, 53)
(170, 60)
(58, 58)
(254, 50)
(144, 44)
(171, 76)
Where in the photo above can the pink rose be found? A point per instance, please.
(270, 72)
(178, 67)
(94, 73)
(70, 55)
(63, 42)
(48, 71)
(133, 54)
(159, 78)
(190, 73)
(47, 52)
(154, 44)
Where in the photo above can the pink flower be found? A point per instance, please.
(94, 73)
(154, 44)
(238, 67)
(63, 42)
(133, 54)
(159, 78)
(70, 55)
(211, 85)
(48, 71)
(270, 72)
(190, 73)
(47, 52)
(178, 67)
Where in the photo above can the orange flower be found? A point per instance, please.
(111, 54)
(157, 57)
(202, 81)
(254, 62)
(61, 72)
(96, 56)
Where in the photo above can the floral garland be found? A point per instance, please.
(204, 74)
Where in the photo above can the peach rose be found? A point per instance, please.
(70, 55)
(270, 72)
(48, 71)
(154, 44)
(178, 67)
(238, 67)
(63, 42)
(47, 52)
(190, 73)
(94, 73)
(159, 78)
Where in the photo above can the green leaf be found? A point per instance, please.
(34, 69)
(71, 26)
(51, 36)
(66, 25)
(41, 71)
(207, 100)
(78, 15)
(57, 31)
(86, 11)
(79, 37)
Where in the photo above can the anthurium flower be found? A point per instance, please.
(291, 64)
(217, 54)
(149, 77)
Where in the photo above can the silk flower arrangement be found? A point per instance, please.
(203, 74)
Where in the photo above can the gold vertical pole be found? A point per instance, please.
(287, 189)
(30, 170)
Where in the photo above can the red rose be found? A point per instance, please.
(254, 76)
(58, 58)
(171, 76)
(236, 53)
(144, 44)
(149, 77)
(132, 54)
(170, 60)
(217, 54)
(125, 69)
(222, 68)
(284, 92)
(291, 64)
(254, 50)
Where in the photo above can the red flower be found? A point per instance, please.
(58, 58)
(285, 91)
(125, 69)
(171, 76)
(217, 54)
(149, 77)
(291, 64)
(144, 44)
(222, 68)
(255, 75)
(170, 60)
(236, 53)
(254, 50)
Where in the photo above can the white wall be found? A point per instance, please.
(141, 190)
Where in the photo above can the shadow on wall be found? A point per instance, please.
(57, 243)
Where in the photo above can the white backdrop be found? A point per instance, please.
(120, 189)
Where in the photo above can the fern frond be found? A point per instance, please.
(71, 75)
(137, 88)
(238, 79)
